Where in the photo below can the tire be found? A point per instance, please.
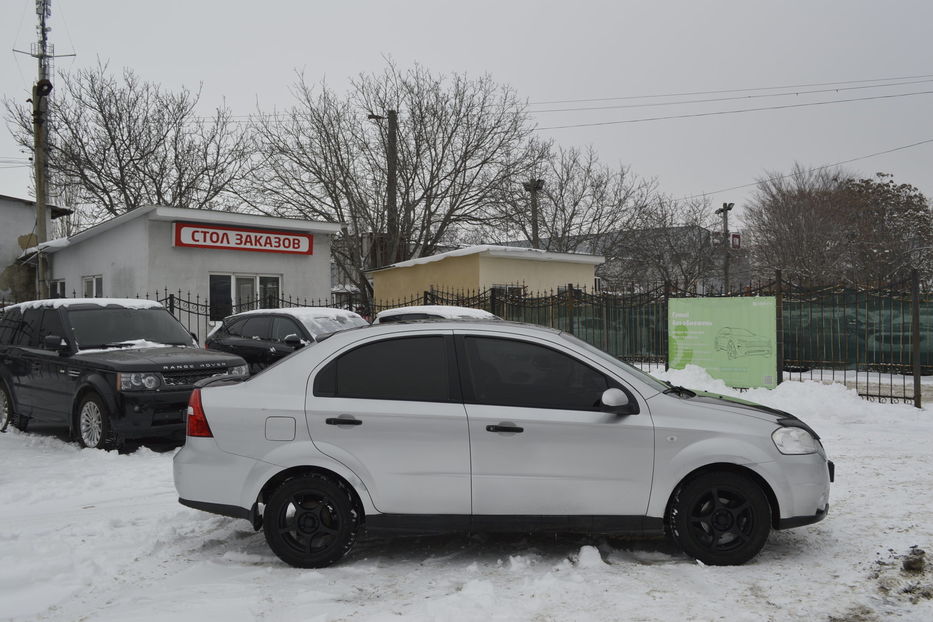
(6, 408)
(92, 423)
(720, 518)
(310, 521)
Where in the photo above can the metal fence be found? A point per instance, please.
(877, 339)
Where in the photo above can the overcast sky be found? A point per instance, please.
(249, 50)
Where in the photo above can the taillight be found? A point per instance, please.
(197, 422)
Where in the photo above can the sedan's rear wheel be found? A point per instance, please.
(721, 518)
(310, 522)
(93, 423)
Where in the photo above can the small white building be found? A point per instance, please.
(18, 220)
(233, 260)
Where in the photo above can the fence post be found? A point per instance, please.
(570, 295)
(915, 332)
(779, 324)
(494, 301)
(665, 347)
(171, 303)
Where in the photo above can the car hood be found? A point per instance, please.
(740, 406)
(165, 359)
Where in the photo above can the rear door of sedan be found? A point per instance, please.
(390, 410)
(540, 444)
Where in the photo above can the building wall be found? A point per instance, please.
(120, 256)
(16, 218)
(188, 269)
(450, 273)
(536, 276)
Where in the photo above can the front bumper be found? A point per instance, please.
(152, 414)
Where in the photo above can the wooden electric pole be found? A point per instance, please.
(724, 210)
(391, 248)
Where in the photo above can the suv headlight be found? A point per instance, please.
(139, 381)
(239, 370)
(794, 441)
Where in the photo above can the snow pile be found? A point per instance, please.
(98, 536)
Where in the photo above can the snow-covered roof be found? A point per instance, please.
(445, 311)
(129, 303)
(305, 313)
(215, 217)
(512, 252)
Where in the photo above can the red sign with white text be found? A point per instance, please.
(241, 239)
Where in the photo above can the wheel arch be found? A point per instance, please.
(297, 471)
(98, 386)
(727, 467)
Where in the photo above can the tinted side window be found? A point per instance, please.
(410, 368)
(9, 324)
(29, 332)
(51, 325)
(235, 328)
(516, 373)
(258, 327)
(282, 327)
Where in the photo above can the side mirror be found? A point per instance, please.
(54, 343)
(293, 341)
(615, 401)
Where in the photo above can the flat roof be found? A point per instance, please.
(510, 252)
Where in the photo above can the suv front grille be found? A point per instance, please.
(188, 378)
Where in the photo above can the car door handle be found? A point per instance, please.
(504, 428)
(342, 421)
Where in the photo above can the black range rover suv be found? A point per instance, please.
(108, 369)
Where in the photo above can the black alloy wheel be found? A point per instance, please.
(721, 518)
(92, 423)
(310, 521)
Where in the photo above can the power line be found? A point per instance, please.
(812, 170)
(733, 98)
(743, 90)
(725, 112)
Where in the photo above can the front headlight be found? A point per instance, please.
(139, 381)
(794, 441)
(239, 370)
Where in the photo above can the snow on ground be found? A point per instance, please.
(96, 536)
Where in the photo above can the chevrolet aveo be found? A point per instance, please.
(490, 426)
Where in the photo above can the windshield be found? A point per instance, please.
(323, 325)
(98, 328)
(605, 356)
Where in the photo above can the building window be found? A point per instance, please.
(93, 286)
(233, 293)
(517, 291)
(57, 288)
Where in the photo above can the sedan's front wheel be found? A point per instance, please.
(721, 518)
(310, 521)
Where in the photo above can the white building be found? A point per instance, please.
(233, 260)
(17, 220)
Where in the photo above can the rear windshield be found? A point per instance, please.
(100, 328)
(324, 325)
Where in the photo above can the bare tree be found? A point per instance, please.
(325, 159)
(119, 142)
(827, 226)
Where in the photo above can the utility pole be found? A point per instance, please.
(43, 51)
(724, 210)
(534, 186)
(392, 247)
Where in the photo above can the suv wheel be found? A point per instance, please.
(721, 518)
(93, 423)
(6, 408)
(310, 522)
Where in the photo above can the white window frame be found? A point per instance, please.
(96, 282)
(233, 276)
(57, 288)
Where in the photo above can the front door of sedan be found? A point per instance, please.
(540, 445)
(390, 410)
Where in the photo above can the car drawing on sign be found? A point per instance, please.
(490, 426)
(264, 336)
(432, 312)
(736, 342)
(107, 369)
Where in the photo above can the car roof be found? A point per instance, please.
(301, 313)
(444, 311)
(127, 303)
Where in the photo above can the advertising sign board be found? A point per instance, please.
(733, 339)
(243, 239)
